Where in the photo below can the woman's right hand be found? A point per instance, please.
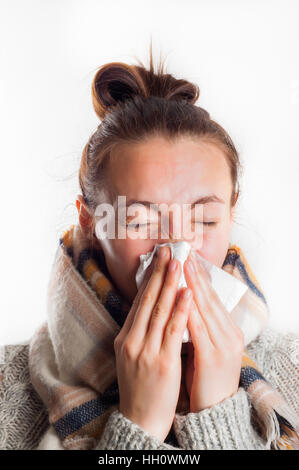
(148, 348)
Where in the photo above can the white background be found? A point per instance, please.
(244, 57)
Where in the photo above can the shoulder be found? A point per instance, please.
(22, 413)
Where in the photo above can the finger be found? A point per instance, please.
(223, 315)
(201, 301)
(130, 317)
(173, 336)
(212, 316)
(149, 299)
(202, 342)
(164, 307)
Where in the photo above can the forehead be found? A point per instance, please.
(161, 171)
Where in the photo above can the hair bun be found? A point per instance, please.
(117, 82)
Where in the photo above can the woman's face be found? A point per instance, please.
(177, 173)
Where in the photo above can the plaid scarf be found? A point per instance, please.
(72, 360)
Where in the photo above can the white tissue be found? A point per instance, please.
(228, 287)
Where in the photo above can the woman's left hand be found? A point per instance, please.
(215, 354)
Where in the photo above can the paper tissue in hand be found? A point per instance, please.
(229, 288)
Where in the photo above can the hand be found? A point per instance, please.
(148, 349)
(215, 357)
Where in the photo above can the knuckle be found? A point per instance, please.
(174, 328)
(159, 268)
(158, 312)
(116, 343)
(147, 297)
(127, 351)
(145, 359)
(166, 366)
(201, 327)
(205, 303)
(171, 281)
(137, 296)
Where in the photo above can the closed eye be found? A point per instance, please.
(207, 223)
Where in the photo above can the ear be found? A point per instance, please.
(233, 208)
(85, 219)
(236, 198)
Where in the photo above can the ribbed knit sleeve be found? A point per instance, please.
(225, 426)
(23, 416)
(122, 433)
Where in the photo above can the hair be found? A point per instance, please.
(135, 104)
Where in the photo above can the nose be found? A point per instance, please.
(175, 227)
(192, 243)
(176, 232)
(193, 247)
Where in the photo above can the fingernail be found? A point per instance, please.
(172, 265)
(162, 252)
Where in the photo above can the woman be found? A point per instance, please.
(152, 145)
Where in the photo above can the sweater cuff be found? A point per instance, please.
(122, 433)
(224, 426)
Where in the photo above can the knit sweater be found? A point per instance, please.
(227, 425)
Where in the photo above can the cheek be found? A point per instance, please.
(126, 254)
(216, 243)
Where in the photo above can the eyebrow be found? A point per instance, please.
(201, 200)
